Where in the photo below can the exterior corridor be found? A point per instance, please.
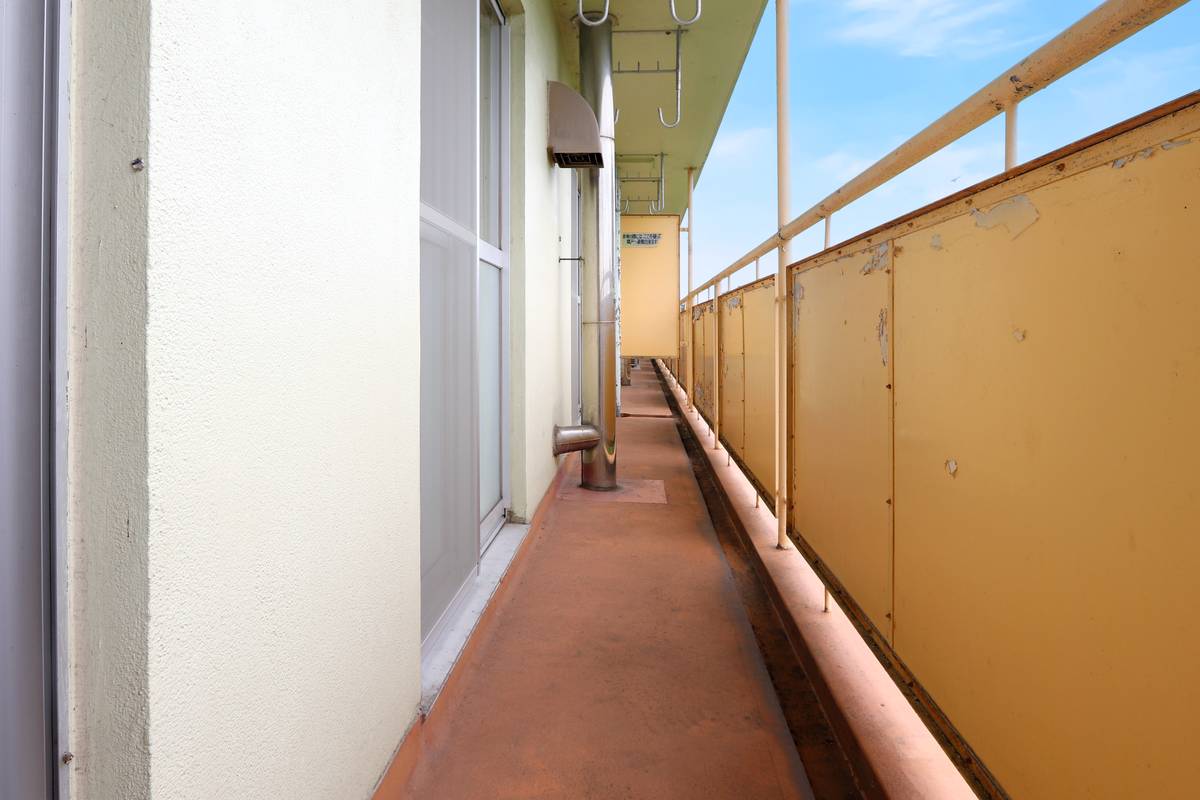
(617, 660)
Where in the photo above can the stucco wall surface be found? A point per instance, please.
(245, 526)
(541, 284)
(282, 350)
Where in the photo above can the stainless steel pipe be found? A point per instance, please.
(569, 438)
(598, 289)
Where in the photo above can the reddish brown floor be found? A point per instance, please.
(620, 663)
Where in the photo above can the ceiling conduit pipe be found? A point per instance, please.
(598, 284)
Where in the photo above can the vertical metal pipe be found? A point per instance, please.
(691, 350)
(598, 290)
(1010, 137)
(828, 225)
(783, 169)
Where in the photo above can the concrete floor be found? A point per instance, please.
(620, 662)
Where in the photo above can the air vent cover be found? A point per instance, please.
(574, 132)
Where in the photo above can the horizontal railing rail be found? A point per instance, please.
(1106, 26)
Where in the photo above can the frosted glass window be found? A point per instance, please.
(491, 388)
(491, 121)
(448, 108)
(449, 527)
(449, 148)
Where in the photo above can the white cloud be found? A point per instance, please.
(949, 170)
(926, 28)
(734, 144)
(841, 165)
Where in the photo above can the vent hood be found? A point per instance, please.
(574, 132)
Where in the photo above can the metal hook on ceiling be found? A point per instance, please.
(679, 21)
(660, 206)
(678, 84)
(583, 18)
(655, 205)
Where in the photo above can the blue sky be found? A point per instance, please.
(867, 74)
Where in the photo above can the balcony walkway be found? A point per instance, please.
(618, 660)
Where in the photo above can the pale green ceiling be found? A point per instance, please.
(713, 51)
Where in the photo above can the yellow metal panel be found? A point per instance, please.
(681, 373)
(758, 326)
(649, 286)
(733, 421)
(698, 357)
(710, 359)
(1047, 518)
(842, 422)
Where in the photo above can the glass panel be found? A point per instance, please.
(448, 75)
(490, 124)
(491, 388)
(449, 527)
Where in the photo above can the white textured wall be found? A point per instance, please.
(541, 285)
(274, 297)
(106, 581)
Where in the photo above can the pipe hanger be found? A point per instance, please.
(679, 21)
(655, 205)
(678, 82)
(603, 19)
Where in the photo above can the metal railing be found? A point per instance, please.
(1109, 24)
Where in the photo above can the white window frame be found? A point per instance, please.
(498, 257)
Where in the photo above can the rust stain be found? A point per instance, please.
(877, 260)
(881, 333)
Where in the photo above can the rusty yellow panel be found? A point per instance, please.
(758, 327)
(649, 284)
(732, 369)
(704, 343)
(697, 342)
(1047, 518)
(684, 344)
(842, 422)
(710, 360)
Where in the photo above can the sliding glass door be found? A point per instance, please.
(464, 294)
(492, 309)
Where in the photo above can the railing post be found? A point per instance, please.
(783, 180)
(1010, 137)
(717, 367)
(691, 327)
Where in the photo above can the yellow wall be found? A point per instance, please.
(842, 439)
(758, 329)
(1036, 428)
(747, 347)
(732, 369)
(649, 287)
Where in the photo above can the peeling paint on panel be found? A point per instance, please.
(1123, 160)
(1019, 334)
(936, 242)
(952, 467)
(734, 302)
(882, 332)
(1176, 143)
(1016, 215)
(878, 260)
